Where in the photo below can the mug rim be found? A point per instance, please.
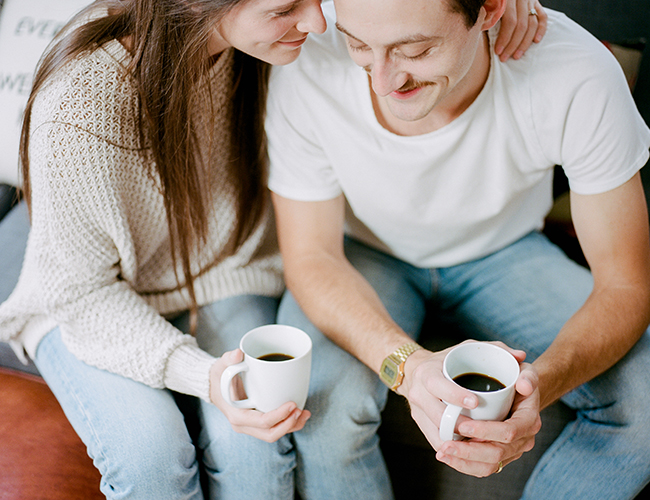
(304, 345)
(479, 344)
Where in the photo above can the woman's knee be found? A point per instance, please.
(241, 466)
(136, 435)
(148, 463)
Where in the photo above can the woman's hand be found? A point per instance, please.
(269, 426)
(519, 28)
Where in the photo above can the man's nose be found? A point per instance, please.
(386, 77)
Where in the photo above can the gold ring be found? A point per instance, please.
(500, 468)
(532, 12)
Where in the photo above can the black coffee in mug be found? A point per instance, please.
(478, 382)
(275, 356)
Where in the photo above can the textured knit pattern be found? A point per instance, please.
(98, 261)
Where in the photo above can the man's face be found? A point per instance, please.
(418, 53)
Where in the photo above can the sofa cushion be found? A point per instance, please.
(629, 54)
(26, 27)
(41, 455)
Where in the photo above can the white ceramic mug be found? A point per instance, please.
(484, 359)
(270, 384)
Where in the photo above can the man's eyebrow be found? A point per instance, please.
(416, 38)
(345, 32)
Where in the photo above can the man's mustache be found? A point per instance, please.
(408, 86)
(413, 84)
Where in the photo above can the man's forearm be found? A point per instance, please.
(612, 228)
(343, 305)
(593, 340)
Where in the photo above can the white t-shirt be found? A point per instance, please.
(479, 183)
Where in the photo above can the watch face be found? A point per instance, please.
(392, 369)
(388, 372)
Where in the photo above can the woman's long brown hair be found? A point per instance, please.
(169, 56)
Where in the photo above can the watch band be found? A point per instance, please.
(392, 369)
(406, 350)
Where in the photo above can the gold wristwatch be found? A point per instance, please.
(392, 369)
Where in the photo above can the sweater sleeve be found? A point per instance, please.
(84, 251)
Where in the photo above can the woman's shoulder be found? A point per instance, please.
(93, 92)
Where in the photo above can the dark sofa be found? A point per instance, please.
(31, 421)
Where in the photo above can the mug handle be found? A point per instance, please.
(448, 422)
(226, 379)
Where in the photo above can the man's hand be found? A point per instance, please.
(487, 444)
(269, 426)
(491, 445)
(519, 29)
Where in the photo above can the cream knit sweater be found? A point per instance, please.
(98, 261)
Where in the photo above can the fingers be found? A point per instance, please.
(517, 353)
(232, 357)
(519, 28)
(507, 30)
(499, 444)
(427, 390)
(428, 424)
(528, 380)
(489, 444)
(427, 385)
(476, 458)
(269, 426)
(430, 395)
(542, 22)
(524, 423)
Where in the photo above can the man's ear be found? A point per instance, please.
(493, 10)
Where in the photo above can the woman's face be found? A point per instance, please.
(270, 30)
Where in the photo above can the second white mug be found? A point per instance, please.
(275, 370)
(484, 360)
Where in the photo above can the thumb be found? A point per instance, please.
(232, 357)
(527, 381)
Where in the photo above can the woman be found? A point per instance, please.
(152, 249)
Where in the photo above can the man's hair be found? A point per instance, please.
(468, 8)
(169, 49)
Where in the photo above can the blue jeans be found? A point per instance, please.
(124, 423)
(138, 437)
(521, 295)
(139, 440)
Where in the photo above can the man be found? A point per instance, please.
(436, 164)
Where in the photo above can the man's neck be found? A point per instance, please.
(451, 107)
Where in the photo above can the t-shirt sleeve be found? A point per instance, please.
(586, 119)
(299, 167)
